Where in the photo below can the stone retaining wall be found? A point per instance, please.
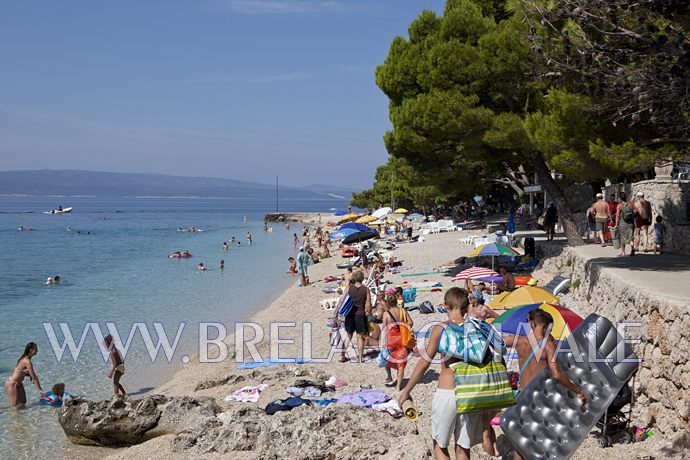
(663, 382)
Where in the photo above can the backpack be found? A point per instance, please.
(406, 335)
(426, 307)
(628, 213)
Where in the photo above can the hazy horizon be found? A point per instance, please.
(234, 89)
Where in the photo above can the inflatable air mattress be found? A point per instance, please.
(548, 421)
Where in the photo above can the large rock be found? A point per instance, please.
(109, 423)
(119, 422)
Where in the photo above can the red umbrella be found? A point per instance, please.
(474, 273)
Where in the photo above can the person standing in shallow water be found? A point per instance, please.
(14, 385)
(118, 369)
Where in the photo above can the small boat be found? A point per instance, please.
(59, 211)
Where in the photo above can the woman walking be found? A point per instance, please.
(14, 385)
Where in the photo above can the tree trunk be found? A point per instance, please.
(565, 215)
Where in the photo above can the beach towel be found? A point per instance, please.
(247, 394)
(419, 274)
(364, 398)
(390, 407)
(346, 306)
(269, 362)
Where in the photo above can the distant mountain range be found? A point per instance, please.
(66, 182)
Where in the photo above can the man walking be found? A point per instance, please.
(642, 221)
(602, 216)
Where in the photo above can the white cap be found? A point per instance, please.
(639, 194)
(600, 195)
(301, 248)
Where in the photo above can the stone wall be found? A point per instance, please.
(671, 201)
(663, 382)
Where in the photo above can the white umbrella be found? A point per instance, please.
(381, 212)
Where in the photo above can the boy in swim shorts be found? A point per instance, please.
(118, 369)
(467, 429)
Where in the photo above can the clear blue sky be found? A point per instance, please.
(240, 89)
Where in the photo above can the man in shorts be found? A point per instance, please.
(642, 221)
(602, 217)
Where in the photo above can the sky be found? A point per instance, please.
(239, 89)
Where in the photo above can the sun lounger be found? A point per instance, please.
(557, 285)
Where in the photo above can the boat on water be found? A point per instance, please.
(59, 210)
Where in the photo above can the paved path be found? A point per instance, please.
(662, 275)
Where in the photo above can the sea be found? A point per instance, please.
(112, 258)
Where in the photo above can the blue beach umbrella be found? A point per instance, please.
(356, 226)
(343, 233)
(341, 213)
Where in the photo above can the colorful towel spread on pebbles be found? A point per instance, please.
(247, 394)
(420, 274)
(270, 362)
(422, 285)
(364, 398)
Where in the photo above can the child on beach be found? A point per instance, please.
(118, 369)
(445, 421)
(659, 233)
(393, 321)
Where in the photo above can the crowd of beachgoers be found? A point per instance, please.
(390, 301)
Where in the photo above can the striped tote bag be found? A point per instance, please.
(481, 387)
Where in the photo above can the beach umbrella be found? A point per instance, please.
(526, 295)
(333, 209)
(341, 213)
(401, 211)
(494, 250)
(355, 226)
(349, 217)
(474, 273)
(360, 236)
(514, 321)
(342, 233)
(366, 219)
(381, 212)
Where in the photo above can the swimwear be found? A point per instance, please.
(445, 421)
(120, 368)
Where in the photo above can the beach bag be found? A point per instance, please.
(426, 307)
(346, 306)
(409, 295)
(406, 335)
(481, 387)
(615, 237)
(383, 357)
(628, 213)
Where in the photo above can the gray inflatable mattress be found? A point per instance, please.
(548, 421)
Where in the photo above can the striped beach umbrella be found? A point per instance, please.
(474, 273)
(494, 250)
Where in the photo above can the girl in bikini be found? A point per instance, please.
(118, 369)
(14, 385)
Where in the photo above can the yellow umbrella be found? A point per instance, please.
(349, 217)
(366, 219)
(401, 211)
(524, 296)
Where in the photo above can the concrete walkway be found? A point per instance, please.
(662, 275)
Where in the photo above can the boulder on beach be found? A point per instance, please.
(126, 422)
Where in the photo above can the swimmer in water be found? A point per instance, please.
(222, 265)
(58, 391)
(225, 246)
(248, 236)
(201, 267)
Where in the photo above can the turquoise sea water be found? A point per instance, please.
(120, 273)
